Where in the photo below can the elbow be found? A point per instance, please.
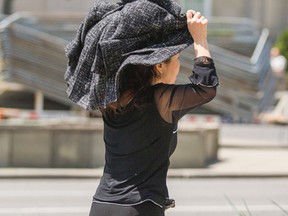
(210, 94)
(213, 93)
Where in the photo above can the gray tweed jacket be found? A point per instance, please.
(114, 35)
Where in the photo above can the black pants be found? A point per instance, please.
(144, 209)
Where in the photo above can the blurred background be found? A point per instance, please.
(225, 147)
(248, 41)
(241, 34)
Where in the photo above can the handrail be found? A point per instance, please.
(260, 46)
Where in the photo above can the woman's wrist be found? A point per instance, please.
(204, 61)
(201, 48)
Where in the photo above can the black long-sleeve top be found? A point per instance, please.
(139, 143)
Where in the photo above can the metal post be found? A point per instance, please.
(39, 101)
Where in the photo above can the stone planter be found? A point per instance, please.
(79, 144)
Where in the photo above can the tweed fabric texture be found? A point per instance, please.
(114, 35)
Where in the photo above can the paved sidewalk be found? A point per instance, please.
(243, 162)
(253, 136)
(233, 163)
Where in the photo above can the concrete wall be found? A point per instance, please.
(51, 146)
(197, 145)
(77, 145)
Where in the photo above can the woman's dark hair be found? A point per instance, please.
(134, 79)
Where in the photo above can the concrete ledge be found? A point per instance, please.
(197, 145)
(51, 143)
(79, 144)
(29, 148)
(4, 149)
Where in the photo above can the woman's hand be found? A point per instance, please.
(197, 26)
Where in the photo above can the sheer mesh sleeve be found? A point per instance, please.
(174, 101)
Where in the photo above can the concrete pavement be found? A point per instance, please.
(198, 196)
